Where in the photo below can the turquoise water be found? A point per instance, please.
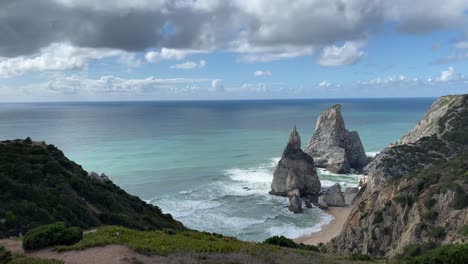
(194, 159)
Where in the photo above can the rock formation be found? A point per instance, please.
(333, 196)
(295, 170)
(322, 204)
(416, 192)
(295, 175)
(295, 201)
(333, 147)
(349, 194)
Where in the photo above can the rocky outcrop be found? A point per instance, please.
(295, 201)
(93, 175)
(333, 196)
(415, 193)
(333, 147)
(349, 194)
(295, 170)
(322, 204)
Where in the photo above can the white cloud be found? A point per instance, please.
(112, 84)
(170, 54)
(152, 56)
(217, 85)
(349, 53)
(324, 84)
(202, 63)
(189, 65)
(261, 73)
(461, 45)
(448, 75)
(56, 57)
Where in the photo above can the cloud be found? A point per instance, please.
(112, 84)
(324, 84)
(256, 29)
(261, 73)
(56, 57)
(448, 75)
(170, 54)
(189, 65)
(349, 53)
(461, 45)
(217, 85)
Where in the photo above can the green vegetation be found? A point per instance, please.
(438, 232)
(461, 198)
(39, 185)
(430, 203)
(465, 230)
(161, 242)
(363, 257)
(286, 242)
(29, 260)
(405, 200)
(51, 235)
(417, 249)
(378, 217)
(431, 216)
(5, 255)
(448, 254)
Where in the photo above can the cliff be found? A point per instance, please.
(333, 147)
(416, 194)
(39, 185)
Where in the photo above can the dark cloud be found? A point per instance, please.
(261, 26)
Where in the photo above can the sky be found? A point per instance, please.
(88, 50)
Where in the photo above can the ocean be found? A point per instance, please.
(208, 163)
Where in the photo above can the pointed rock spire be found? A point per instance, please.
(295, 170)
(294, 141)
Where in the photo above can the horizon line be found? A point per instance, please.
(222, 100)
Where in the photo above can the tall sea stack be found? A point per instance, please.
(295, 170)
(333, 147)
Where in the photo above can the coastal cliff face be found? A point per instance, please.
(333, 147)
(416, 194)
(39, 185)
(295, 170)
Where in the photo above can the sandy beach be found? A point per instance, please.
(329, 230)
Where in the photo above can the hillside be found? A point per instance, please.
(39, 185)
(416, 194)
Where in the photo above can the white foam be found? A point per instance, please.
(250, 175)
(372, 153)
(293, 231)
(182, 208)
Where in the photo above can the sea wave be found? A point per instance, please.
(293, 231)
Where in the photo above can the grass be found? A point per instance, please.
(164, 242)
(182, 244)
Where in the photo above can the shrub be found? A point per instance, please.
(50, 235)
(364, 257)
(465, 230)
(438, 232)
(461, 199)
(5, 256)
(417, 249)
(28, 141)
(448, 254)
(281, 241)
(430, 203)
(431, 216)
(286, 242)
(378, 218)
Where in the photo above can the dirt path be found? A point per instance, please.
(111, 254)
